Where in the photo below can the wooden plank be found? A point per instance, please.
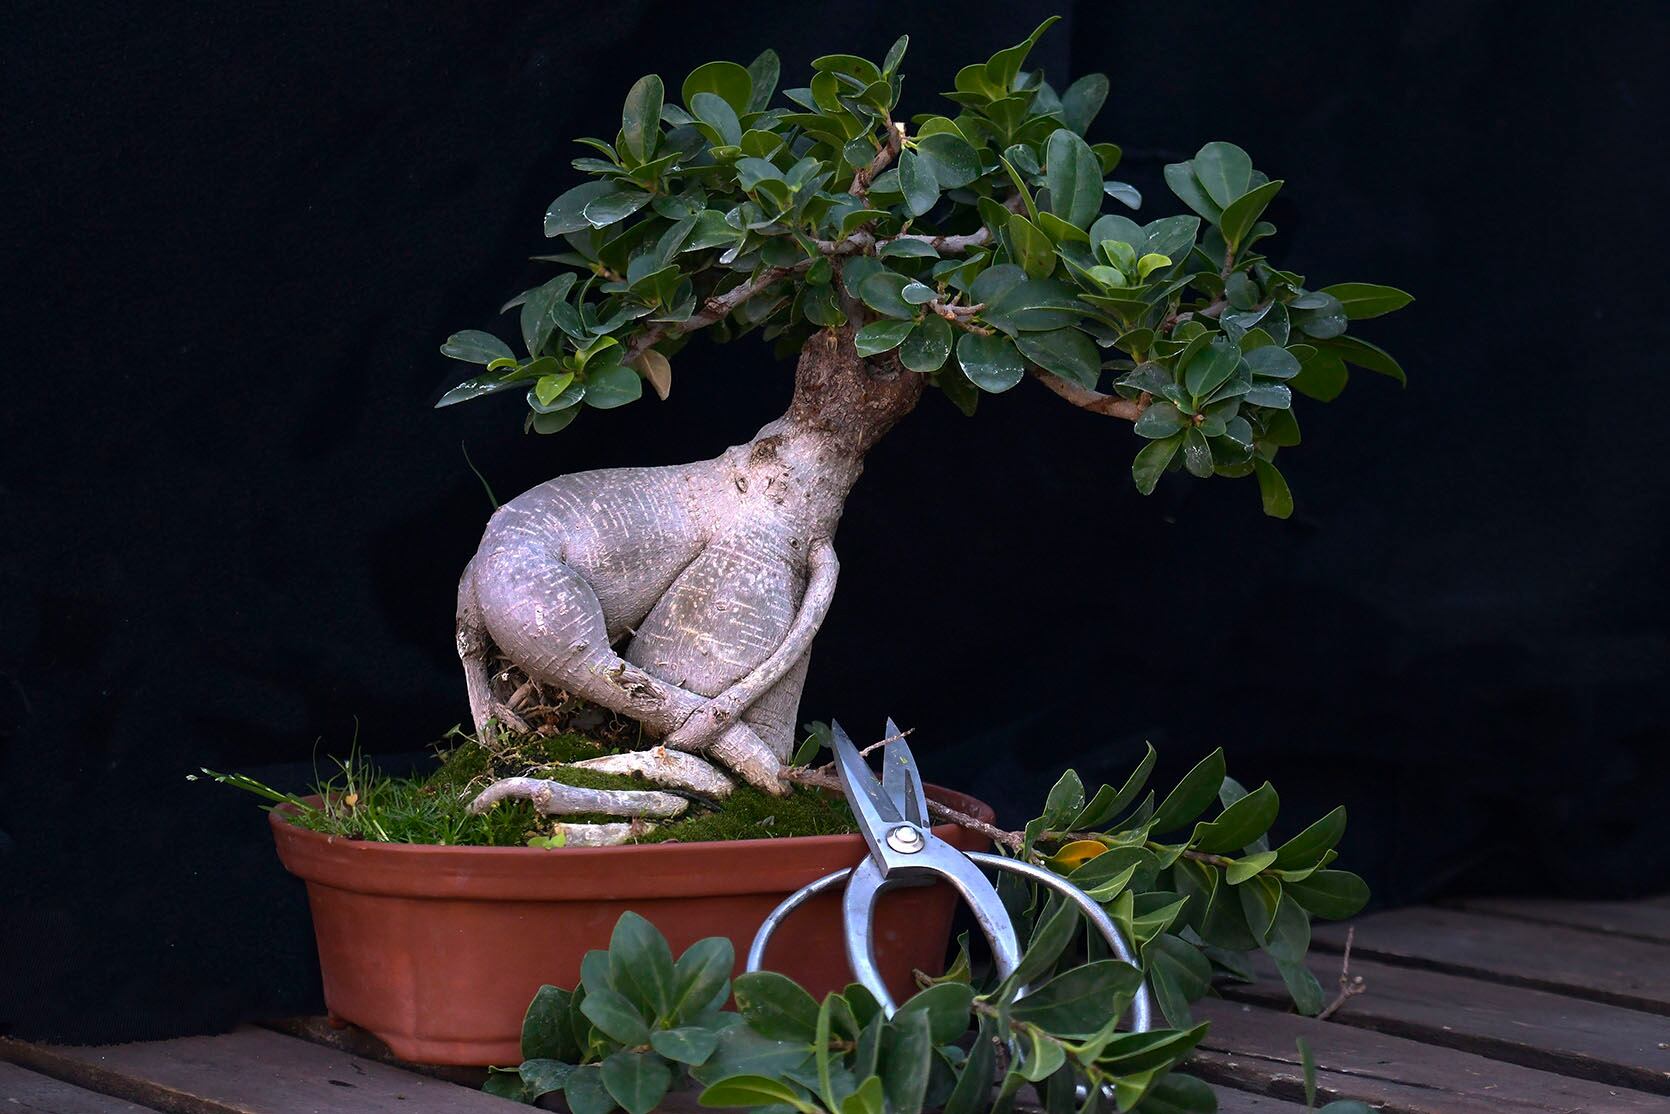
(1534, 1028)
(1231, 1101)
(1255, 1049)
(251, 1071)
(359, 1042)
(27, 1092)
(1566, 961)
(1637, 920)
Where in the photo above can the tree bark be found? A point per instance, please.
(686, 597)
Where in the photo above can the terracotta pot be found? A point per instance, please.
(439, 950)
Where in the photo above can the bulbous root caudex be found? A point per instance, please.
(685, 597)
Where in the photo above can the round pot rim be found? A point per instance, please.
(653, 870)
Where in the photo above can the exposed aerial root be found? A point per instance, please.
(601, 835)
(670, 769)
(553, 798)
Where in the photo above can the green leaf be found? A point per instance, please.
(868, 1099)
(1180, 177)
(1055, 929)
(1042, 1058)
(638, 1081)
(954, 162)
(616, 1016)
(1151, 461)
(1197, 453)
(700, 976)
(917, 182)
(689, 1045)
(906, 1059)
(1073, 176)
(1198, 789)
(1366, 356)
(972, 1094)
(1179, 1094)
(1272, 362)
(585, 1092)
(927, 346)
(742, 1051)
(883, 292)
(1224, 171)
(612, 386)
(1239, 824)
(1064, 352)
(717, 113)
(728, 81)
(1362, 300)
(1124, 193)
(1272, 489)
(1304, 850)
(543, 1076)
(1161, 419)
(608, 208)
(554, 422)
(1241, 214)
(776, 1006)
(990, 362)
(753, 1090)
(1083, 100)
(1180, 975)
(881, 336)
(1248, 867)
(1211, 367)
(907, 248)
(476, 347)
(1318, 315)
(641, 964)
(763, 73)
(1322, 376)
(640, 119)
(1034, 250)
(1330, 894)
(947, 1007)
(567, 212)
(1081, 1000)
(1003, 66)
(545, 1031)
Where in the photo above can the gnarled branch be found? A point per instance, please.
(1094, 401)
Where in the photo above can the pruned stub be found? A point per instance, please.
(687, 597)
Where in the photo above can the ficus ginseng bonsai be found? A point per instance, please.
(964, 252)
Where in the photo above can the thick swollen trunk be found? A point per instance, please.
(686, 597)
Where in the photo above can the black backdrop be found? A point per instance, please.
(232, 524)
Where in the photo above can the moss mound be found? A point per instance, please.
(362, 802)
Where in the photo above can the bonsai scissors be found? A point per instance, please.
(892, 816)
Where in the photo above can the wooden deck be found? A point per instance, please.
(1486, 1006)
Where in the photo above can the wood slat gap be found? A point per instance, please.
(1639, 921)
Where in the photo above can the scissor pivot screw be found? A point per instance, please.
(905, 839)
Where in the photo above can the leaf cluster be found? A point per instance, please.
(971, 244)
(639, 1019)
(1195, 891)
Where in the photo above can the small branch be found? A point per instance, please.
(714, 310)
(959, 316)
(884, 157)
(1094, 401)
(1349, 985)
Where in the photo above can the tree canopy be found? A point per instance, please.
(972, 247)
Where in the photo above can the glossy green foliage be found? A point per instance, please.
(1194, 876)
(639, 1020)
(970, 243)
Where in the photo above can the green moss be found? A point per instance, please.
(361, 802)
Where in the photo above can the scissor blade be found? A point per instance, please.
(871, 807)
(901, 778)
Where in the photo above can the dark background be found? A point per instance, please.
(233, 526)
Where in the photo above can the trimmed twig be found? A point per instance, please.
(1349, 985)
(1094, 401)
(713, 311)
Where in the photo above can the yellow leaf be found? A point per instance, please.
(654, 367)
(1076, 854)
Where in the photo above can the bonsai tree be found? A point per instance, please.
(966, 252)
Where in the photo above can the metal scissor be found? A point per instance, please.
(892, 815)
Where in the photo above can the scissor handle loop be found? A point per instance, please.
(861, 945)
